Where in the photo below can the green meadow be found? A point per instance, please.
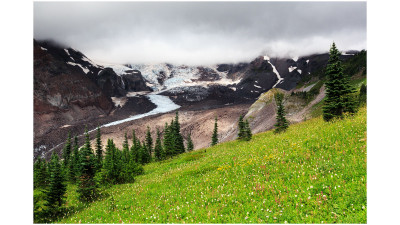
(313, 173)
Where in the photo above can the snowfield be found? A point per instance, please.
(275, 71)
(163, 103)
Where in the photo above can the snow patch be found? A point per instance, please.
(266, 57)
(119, 101)
(163, 103)
(257, 86)
(295, 58)
(44, 49)
(291, 68)
(85, 70)
(298, 70)
(66, 50)
(277, 74)
(307, 61)
(233, 88)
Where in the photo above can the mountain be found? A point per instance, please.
(72, 91)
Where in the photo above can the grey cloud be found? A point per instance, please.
(200, 32)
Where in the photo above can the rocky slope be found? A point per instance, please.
(71, 91)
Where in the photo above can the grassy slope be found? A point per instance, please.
(313, 173)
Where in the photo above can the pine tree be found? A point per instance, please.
(111, 168)
(179, 146)
(75, 161)
(55, 194)
(149, 141)
(214, 138)
(125, 150)
(362, 98)
(40, 173)
(145, 153)
(158, 149)
(281, 122)
(339, 93)
(190, 145)
(241, 131)
(66, 167)
(168, 141)
(99, 150)
(135, 148)
(86, 183)
(247, 131)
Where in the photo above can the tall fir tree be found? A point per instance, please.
(135, 147)
(146, 157)
(75, 161)
(241, 131)
(111, 168)
(158, 148)
(214, 138)
(281, 122)
(362, 97)
(40, 173)
(189, 144)
(339, 93)
(247, 131)
(168, 141)
(149, 141)
(179, 146)
(125, 150)
(86, 184)
(67, 150)
(55, 194)
(99, 150)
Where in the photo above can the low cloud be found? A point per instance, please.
(200, 32)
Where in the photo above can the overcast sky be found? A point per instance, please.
(200, 32)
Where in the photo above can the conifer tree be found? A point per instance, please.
(40, 173)
(75, 161)
(111, 167)
(67, 150)
(179, 146)
(241, 131)
(214, 138)
(55, 193)
(134, 148)
(190, 145)
(149, 141)
(99, 150)
(362, 98)
(158, 149)
(247, 131)
(339, 93)
(281, 122)
(125, 150)
(168, 141)
(86, 183)
(146, 158)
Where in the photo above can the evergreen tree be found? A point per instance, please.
(135, 148)
(99, 150)
(40, 173)
(125, 150)
(362, 98)
(55, 194)
(339, 93)
(149, 141)
(158, 149)
(214, 138)
(75, 161)
(190, 146)
(111, 169)
(179, 146)
(67, 150)
(281, 122)
(247, 131)
(241, 131)
(66, 167)
(86, 183)
(146, 158)
(168, 141)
